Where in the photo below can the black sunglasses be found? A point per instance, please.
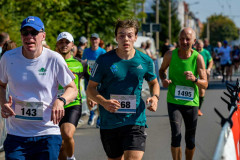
(32, 32)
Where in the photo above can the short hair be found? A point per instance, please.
(128, 23)
(199, 41)
(3, 37)
(8, 45)
(187, 28)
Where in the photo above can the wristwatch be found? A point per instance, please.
(156, 96)
(62, 99)
(196, 80)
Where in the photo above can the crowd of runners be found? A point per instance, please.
(43, 104)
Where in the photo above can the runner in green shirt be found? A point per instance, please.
(208, 66)
(73, 110)
(185, 65)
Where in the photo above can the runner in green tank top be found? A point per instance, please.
(73, 110)
(185, 65)
(208, 66)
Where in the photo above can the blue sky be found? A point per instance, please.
(206, 8)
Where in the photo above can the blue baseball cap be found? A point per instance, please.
(33, 22)
(225, 42)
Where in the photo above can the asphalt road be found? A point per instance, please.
(87, 138)
(88, 144)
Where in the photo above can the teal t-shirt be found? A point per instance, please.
(122, 77)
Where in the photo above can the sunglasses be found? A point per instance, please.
(32, 32)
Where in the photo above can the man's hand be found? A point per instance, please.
(189, 76)
(153, 103)
(166, 83)
(208, 72)
(91, 103)
(57, 111)
(6, 109)
(111, 105)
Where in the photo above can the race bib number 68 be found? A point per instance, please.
(127, 103)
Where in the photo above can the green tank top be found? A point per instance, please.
(80, 69)
(182, 91)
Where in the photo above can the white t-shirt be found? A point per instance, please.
(225, 58)
(33, 80)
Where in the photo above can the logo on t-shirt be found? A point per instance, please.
(42, 71)
(114, 68)
(140, 67)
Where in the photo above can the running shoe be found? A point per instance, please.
(200, 113)
(98, 122)
(71, 158)
(91, 119)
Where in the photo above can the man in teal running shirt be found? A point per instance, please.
(185, 64)
(122, 111)
(208, 66)
(73, 110)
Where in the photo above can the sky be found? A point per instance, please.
(206, 8)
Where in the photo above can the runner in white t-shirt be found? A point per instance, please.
(33, 110)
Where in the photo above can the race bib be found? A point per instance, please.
(184, 93)
(91, 63)
(127, 102)
(32, 111)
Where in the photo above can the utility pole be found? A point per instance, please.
(208, 30)
(143, 19)
(157, 22)
(169, 22)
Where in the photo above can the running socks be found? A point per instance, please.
(201, 99)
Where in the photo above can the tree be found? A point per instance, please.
(79, 17)
(163, 20)
(221, 28)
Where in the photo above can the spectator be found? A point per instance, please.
(165, 47)
(82, 45)
(3, 38)
(101, 44)
(8, 45)
(142, 48)
(109, 47)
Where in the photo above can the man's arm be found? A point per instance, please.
(210, 65)
(155, 93)
(111, 105)
(163, 70)
(58, 107)
(202, 81)
(6, 106)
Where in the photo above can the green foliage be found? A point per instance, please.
(221, 28)
(79, 17)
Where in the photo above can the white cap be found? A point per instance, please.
(65, 35)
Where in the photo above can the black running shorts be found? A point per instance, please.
(116, 141)
(72, 115)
